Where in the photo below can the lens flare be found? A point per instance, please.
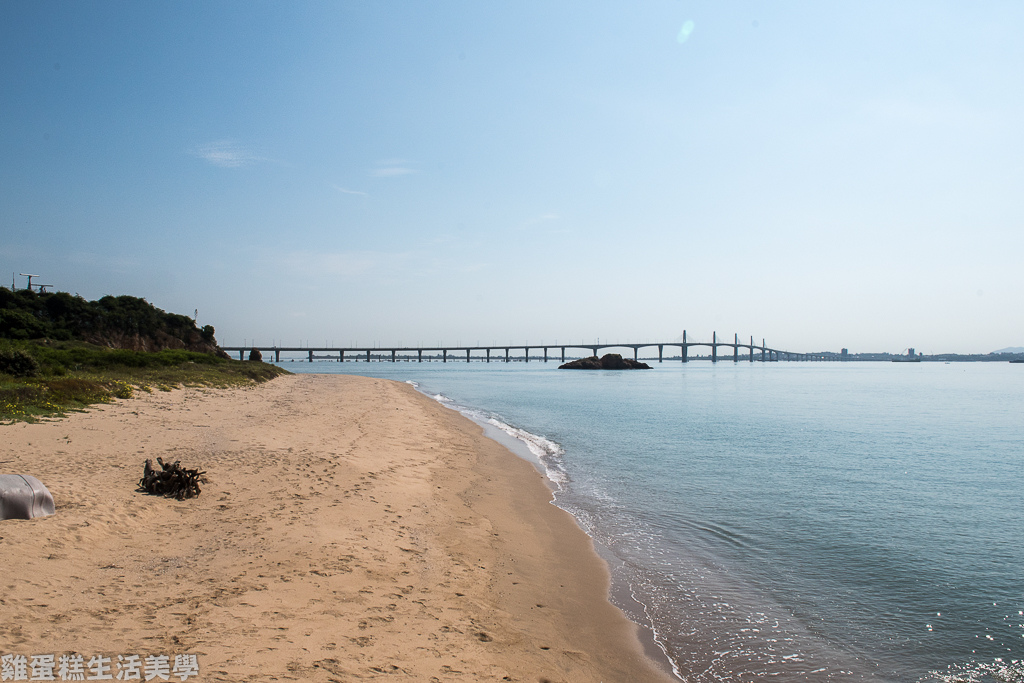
(684, 32)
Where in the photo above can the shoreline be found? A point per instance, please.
(618, 594)
(352, 527)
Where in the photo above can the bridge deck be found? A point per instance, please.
(359, 352)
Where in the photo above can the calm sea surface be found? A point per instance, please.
(788, 521)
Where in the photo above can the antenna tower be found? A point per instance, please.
(30, 279)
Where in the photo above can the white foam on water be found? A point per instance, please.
(544, 451)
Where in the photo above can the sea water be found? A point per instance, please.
(784, 521)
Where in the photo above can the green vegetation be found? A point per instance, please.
(61, 353)
(120, 321)
(50, 378)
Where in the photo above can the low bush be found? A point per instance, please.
(18, 363)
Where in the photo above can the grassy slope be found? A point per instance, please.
(72, 375)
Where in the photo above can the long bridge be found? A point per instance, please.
(356, 353)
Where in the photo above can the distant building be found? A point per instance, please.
(845, 353)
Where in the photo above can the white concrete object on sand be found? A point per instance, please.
(24, 497)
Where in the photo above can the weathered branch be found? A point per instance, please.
(173, 481)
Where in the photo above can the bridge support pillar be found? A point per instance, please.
(751, 348)
(563, 354)
(311, 355)
(488, 355)
(277, 355)
(506, 355)
(419, 355)
(341, 356)
(595, 351)
(467, 355)
(736, 348)
(392, 355)
(545, 354)
(636, 352)
(367, 355)
(762, 350)
(444, 353)
(660, 347)
(241, 354)
(714, 347)
(683, 347)
(526, 354)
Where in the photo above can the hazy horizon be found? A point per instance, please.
(818, 175)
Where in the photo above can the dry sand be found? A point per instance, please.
(351, 529)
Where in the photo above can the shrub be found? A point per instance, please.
(18, 363)
(77, 390)
(16, 324)
(122, 390)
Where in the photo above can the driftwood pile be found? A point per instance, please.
(173, 481)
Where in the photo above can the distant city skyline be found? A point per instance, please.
(820, 175)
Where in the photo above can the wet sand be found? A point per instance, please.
(351, 529)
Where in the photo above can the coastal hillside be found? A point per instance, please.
(59, 352)
(115, 322)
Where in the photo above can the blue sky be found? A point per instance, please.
(822, 175)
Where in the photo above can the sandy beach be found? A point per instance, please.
(351, 528)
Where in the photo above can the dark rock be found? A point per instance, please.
(609, 361)
(255, 355)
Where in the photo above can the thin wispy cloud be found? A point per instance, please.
(345, 190)
(226, 154)
(116, 263)
(390, 168)
(391, 172)
(534, 221)
(921, 112)
(318, 265)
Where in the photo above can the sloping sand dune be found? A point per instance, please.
(351, 529)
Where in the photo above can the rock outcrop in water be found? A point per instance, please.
(609, 361)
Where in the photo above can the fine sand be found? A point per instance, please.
(351, 529)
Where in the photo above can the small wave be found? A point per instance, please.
(547, 452)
